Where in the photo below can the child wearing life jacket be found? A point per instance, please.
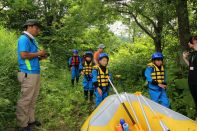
(86, 70)
(100, 76)
(156, 78)
(74, 62)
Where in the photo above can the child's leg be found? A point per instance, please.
(72, 82)
(154, 95)
(98, 97)
(164, 99)
(85, 87)
(91, 95)
(91, 89)
(77, 74)
(72, 75)
(86, 94)
(77, 80)
(105, 93)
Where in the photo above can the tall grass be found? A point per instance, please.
(8, 81)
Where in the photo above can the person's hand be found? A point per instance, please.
(82, 73)
(162, 86)
(185, 54)
(190, 45)
(99, 91)
(42, 57)
(41, 53)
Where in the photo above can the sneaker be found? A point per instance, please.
(35, 123)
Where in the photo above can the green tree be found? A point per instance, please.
(150, 20)
(16, 12)
(183, 22)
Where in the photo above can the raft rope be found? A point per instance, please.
(144, 114)
(121, 101)
(163, 126)
(134, 113)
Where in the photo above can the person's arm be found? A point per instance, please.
(24, 49)
(27, 55)
(81, 68)
(148, 73)
(96, 62)
(165, 77)
(164, 83)
(80, 59)
(110, 77)
(94, 77)
(70, 61)
(95, 81)
(96, 58)
(185, 57)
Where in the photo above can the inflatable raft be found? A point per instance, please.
(147, 116)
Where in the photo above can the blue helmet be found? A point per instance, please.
(103, 55)
(89, 53)
(75, 51)
(157, 55)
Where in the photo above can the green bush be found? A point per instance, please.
(8, 80)
(60, 105)
(129, 61)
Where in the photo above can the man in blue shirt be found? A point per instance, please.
(29, 75)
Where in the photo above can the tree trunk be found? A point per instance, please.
(157, 43)
(158, 31)
(183, 23)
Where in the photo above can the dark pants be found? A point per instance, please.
(86, 94)
(74, 74)
(193, 90)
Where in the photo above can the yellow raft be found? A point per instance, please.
(148, 116)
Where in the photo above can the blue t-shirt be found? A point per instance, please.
(30, 66)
